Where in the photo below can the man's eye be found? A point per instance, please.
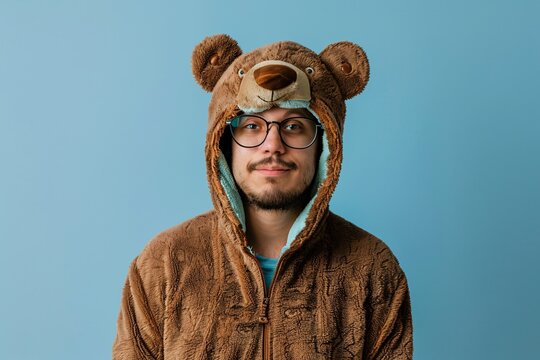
(293, 127)
(251, 126)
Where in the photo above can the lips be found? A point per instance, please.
(272, 167)
(271, 172)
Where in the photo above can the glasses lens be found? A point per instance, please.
(248, 130)
(251, 131)
(298, 132)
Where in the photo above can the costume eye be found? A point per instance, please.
(310, 71)
(241, 72)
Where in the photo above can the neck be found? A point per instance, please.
(267, 230)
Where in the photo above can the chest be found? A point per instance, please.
(312, 310)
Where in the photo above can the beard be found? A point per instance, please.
(277, 199)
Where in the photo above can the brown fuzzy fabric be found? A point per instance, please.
(193, 294)
(350, 66)
(211, 57)
(196, 291)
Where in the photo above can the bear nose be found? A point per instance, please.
(274, 76)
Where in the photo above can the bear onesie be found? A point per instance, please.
(197, 290)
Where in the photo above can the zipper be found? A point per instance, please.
(266, 337)
(263, 318)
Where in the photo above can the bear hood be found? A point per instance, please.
(283, 74)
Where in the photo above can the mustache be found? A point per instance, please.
(273, 160)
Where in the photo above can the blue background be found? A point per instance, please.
(102, 146)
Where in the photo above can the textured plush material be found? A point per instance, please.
(197, 292)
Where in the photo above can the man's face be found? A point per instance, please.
(272, 175)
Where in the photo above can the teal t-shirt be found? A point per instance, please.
(268, 266)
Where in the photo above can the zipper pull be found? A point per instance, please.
(263, 319)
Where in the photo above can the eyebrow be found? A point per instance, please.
(300, 112)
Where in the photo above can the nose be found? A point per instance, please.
(273, 143)
(274, 76)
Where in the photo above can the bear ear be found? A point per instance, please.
(211, 57)
(349, 64)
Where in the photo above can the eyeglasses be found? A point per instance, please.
(296, 132)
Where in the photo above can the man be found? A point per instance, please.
(270, 272)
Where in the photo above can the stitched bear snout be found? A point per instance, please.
(274, 76)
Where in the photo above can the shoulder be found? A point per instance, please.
(344, 233)
(362, 247)
(189, 236)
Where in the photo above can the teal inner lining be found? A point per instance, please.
(229, 185)
(268, 266)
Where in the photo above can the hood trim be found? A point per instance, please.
(232, 194)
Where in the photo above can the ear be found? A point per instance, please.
(211, 57)
(349, 64)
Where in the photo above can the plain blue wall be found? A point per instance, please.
(102, 146)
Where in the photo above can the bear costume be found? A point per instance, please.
(197, 290)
